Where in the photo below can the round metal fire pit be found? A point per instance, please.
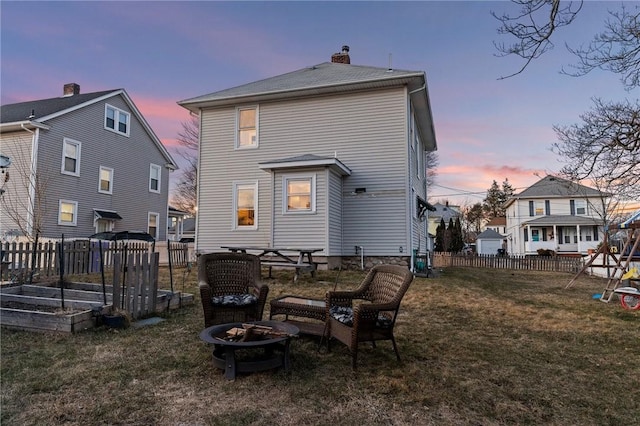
(257, 355)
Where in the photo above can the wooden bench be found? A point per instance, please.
(270, 263)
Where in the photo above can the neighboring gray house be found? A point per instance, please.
(81, 164)
(555, 214)
(330, 156)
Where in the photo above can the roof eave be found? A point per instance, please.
(420, 100)
(195, 104)
(22, 125)
(333, 164)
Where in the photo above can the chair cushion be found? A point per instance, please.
(344, 314)
(234, 300)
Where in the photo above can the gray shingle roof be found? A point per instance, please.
(11, 113)
(326, 74)
(306, 160)
(489, 234)
(555, 187)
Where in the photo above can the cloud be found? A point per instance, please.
(163, 115)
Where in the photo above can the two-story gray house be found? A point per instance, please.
(81, 164)
(330, 156)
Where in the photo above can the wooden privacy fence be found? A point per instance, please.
(80, 256)
(135, 284)
(537, 263)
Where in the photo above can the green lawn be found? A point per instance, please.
(479, 346)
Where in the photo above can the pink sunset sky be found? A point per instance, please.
(162, 52)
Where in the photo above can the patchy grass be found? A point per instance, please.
(479, 346)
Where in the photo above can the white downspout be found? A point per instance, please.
(410, 177)
(410, 193)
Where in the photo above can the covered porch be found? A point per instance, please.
(562, 234)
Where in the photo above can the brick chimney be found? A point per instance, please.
(71, 89)
(342, 57)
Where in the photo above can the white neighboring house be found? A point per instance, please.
(554, 214)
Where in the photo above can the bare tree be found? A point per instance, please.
(533, 27)
(617, 49)
(186, 190)
(24, 199)
(604, 148)
(473, 216)
(431, 164)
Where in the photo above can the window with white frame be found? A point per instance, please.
(71, 157)
(67, 212)
(105, 185)
(247, 127)
(245, 202)
(116, 120)
(152, 227)
(155, 172)
(299, 193)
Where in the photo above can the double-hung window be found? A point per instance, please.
(245, 202)
(67, 212)
(577, 207)
(152, 226)
(247, 127)
(299, 193)
(155, 172)
(71, 157)
(105, 185)
(116, 120)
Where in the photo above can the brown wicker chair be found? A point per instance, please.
(374, 317)
(230, 288)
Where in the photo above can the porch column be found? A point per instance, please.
(579, 238)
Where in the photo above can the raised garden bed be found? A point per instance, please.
(39, 307)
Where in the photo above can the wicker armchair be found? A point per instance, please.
(230, 288)
(374, 316)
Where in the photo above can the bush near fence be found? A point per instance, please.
(80, 256)
(537, 263)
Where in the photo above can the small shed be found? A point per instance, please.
(489, 242)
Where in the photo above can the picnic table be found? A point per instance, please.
(283, 257)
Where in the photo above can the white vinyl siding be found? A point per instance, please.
(67, 213)
(373, 146)
(334, 214)
(17, 201)
(71, 157)
(299, 230)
